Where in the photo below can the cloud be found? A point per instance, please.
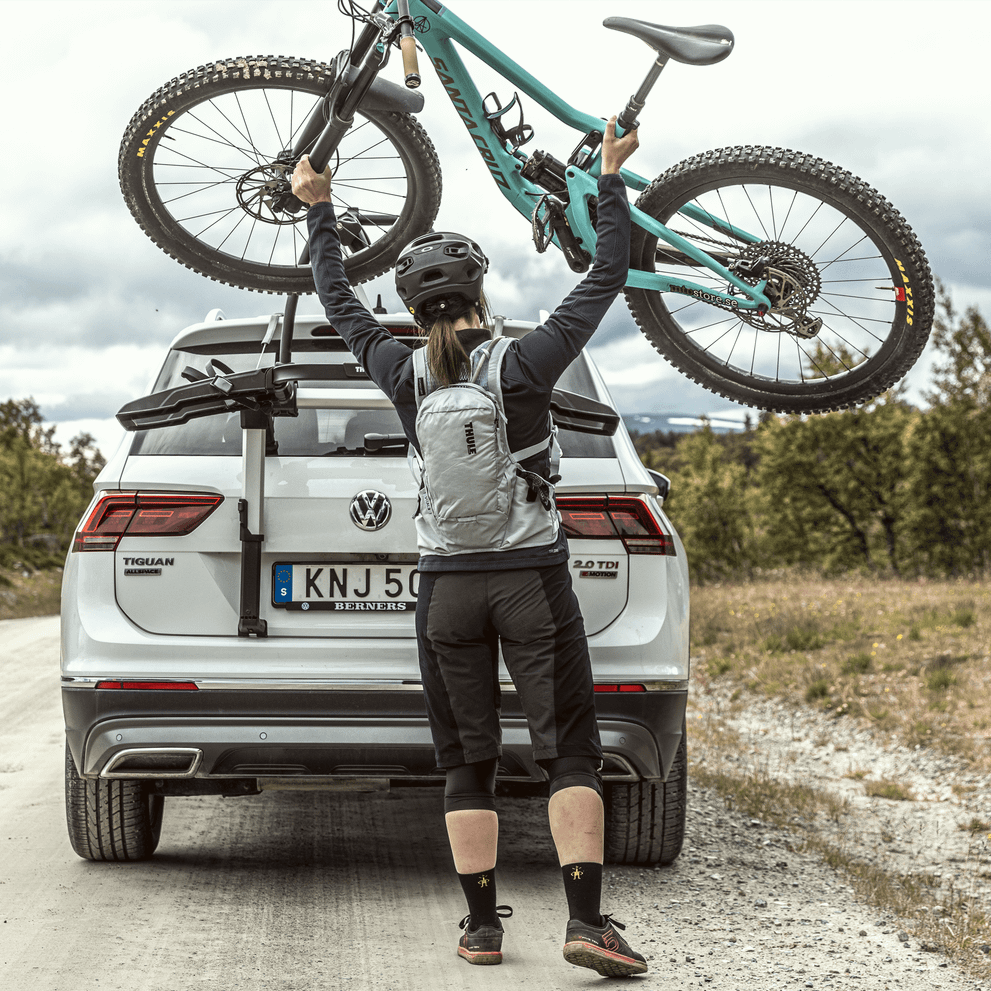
(88, 305)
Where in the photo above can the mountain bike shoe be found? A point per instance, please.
(483, 945)
(602, 949)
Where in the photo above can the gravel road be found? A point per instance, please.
(300, 891)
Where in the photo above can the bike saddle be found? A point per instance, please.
(701, 45)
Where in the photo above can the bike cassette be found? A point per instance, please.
(793, 285)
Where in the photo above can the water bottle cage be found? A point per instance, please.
(515, 137)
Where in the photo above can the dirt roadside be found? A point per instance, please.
(938, 831)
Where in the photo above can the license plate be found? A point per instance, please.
(351, 587)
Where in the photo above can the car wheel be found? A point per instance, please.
(111, 819)
(645, 820)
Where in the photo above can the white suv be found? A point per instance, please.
(199, 659)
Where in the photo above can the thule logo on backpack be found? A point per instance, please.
(470, 438)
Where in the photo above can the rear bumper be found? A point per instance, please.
(223, 734)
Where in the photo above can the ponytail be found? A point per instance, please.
(446, 356)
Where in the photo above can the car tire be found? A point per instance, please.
(645, 820)
(112, 819)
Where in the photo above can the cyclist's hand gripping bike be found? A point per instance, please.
(771, 277)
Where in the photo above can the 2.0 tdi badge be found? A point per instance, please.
(370, 510)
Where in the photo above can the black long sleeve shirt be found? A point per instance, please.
(532, 364)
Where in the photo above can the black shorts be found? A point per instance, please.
(461, 620)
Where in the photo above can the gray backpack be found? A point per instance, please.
(474, 496)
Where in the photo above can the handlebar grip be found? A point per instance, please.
(410, 65)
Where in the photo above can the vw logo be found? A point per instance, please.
(370, 510)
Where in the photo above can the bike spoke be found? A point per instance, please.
(854, 305)
(216, 166)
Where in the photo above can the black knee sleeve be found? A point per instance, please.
(471, 786)
(573, 772)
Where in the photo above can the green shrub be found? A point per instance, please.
(857, 663)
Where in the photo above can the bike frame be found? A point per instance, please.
(505, 164)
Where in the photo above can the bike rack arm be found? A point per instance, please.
(268, 390)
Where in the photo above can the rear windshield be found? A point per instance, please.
(319, 432)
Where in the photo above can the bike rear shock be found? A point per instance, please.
(544, 170)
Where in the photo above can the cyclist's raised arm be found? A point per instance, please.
(548, 350)
(375, 348)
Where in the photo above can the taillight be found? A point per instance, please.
(142, 514)
(611, 518)
(617, 688)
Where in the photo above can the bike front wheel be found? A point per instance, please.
(205, 169)
(851, 293)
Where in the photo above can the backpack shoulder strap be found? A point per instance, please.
(489, 376)
(486, 362)
(423, 381)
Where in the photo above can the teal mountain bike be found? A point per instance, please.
(769, 276)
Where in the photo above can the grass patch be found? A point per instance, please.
(719, 666)
(857, 663)
(975, 826)
(894, 654)
(964, 616)
(39, 593)
(940, 680)
(891, 790)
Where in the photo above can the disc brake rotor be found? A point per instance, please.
(265, 193)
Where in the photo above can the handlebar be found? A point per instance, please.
(407, 44)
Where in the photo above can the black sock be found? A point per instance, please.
(583, 886)
(480, 892)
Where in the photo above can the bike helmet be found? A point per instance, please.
(439, 265)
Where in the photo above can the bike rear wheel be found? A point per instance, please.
(204, 169)
(851, 291)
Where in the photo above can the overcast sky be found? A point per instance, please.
(894, 92)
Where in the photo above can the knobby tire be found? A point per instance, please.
(199, 170)
(855, 263)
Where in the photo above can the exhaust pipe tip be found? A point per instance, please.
(154, 762)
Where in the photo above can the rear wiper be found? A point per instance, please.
(372, 444)
(377, 442)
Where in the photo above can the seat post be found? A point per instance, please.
(628, 118)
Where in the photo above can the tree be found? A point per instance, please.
(833, 486)
(42, 492)
(710, 504)
(948, 527)
(964, 342)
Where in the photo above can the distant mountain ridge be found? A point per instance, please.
(646, 423)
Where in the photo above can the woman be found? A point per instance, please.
(518, 594)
